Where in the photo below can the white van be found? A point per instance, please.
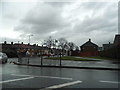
(3, 58)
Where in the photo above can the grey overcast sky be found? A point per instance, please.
(76, 21)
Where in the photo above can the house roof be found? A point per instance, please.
(89, 43)
(117, 39)
(107, 46)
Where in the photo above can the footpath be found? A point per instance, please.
(98, 65)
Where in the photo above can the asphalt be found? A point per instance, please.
(41, 78)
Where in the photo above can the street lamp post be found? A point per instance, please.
(42, 52)
(29, 38)
(42, 56)
(29, 46)
(18, 52)
(60, 58)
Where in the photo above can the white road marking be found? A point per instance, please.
(109, 82)
(19, 75)
(55, 77)
(61, 85)
(15, 80)
(44, 76)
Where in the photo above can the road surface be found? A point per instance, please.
(39, 78)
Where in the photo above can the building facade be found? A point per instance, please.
(14, 49)
(117, 40)
(89, 49)
(107, 46)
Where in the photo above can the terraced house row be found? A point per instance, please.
(87, 49)
(13, 49)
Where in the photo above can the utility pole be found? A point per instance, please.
(42, 56)
(29, 46)
(60, 59)
(18, 52)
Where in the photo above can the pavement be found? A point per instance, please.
(97, 64)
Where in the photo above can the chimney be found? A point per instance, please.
(34, 44)
(11, 43)
(5, 42)
(109, 42)
(22, 43)
(89, 40)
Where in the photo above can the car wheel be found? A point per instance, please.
(6, 61)
(3, 62)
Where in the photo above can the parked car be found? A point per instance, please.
(3, 58)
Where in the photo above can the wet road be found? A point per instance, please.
(15, 76)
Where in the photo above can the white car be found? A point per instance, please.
(3, 58)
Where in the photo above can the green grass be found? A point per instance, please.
(99, 57)
(69, 58)
(73, 58)
(96, 57)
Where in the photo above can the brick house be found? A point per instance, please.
(117, 40)
(9, 49)
(107, 46)
(114, 51)
(89, 49)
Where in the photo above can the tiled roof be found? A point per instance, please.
(89, 43)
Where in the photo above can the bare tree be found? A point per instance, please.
(76, 48)
(71, 46)
(63, 44)
(49, 42)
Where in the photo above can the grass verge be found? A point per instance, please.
(69, 58)
(104, 58)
